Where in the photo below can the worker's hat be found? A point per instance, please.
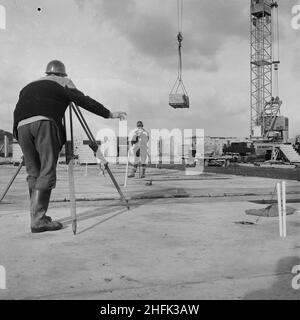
(56, 67)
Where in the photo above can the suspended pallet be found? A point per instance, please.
(178, 100)
(178, 97)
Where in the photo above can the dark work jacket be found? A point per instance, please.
(50, 99)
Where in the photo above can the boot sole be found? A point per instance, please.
(44, 229)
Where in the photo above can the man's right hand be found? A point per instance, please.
(118, 115)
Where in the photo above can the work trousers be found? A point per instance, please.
(140, 154)
(40, 143)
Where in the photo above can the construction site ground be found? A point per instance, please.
(183, 238)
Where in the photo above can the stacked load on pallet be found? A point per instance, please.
(177, 100)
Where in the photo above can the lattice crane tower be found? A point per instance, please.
(264, 43)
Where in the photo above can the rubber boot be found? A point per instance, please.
(133, 171)
(30, 194)
(143, 171)
(39, 206)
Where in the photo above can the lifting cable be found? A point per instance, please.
(179, 35)
(179, 82)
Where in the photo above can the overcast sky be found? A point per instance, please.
(123, 53)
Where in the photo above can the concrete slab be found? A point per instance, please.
(165, 247)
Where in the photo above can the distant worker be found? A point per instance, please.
(139, 144)
(40, 132)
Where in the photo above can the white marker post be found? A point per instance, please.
(2, 278)
(278, 186)
(2, 18)
(127, 165)
(6, 144)
(283, 189)
(281, 198)
(126, 171)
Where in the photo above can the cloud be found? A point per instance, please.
(207, 24)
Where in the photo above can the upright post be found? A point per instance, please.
(278, 186)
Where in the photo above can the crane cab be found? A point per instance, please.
(261, 8)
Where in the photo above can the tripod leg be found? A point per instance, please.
(117, 186)
(72, 195)
(12, 179)
(69, 148)
(100, 156)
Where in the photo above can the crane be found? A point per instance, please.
(266, 123)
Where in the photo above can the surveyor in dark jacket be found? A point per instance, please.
(40, 132)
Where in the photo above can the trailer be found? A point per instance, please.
(220, 161)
